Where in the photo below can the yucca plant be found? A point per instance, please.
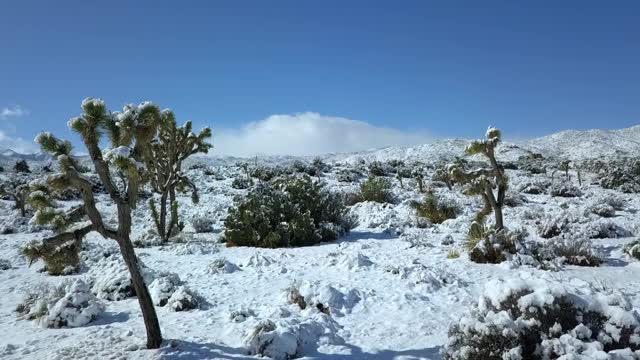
(167, 152)
(130, 132)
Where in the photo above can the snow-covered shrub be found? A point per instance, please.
(623, 175)
(348, 175)
(21, 166)
(559, 189)
(264, 173)
(556, 226)
(241, 182)
(377, 169)
(486, 245)
(65, 305)
(289, 338)
(513, 199)
(633, 249)
(292, 211)
(578, 252)
(111, 278)
(322, 297)
(435, 210)
(534, 188)
(540, 319)
(222, 266)
(377, 189)
(202, 223)
(601, 209)
(604, 229)
(167, 290)
(5, 264)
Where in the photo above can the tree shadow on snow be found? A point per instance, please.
(354, 236)
(188, 350)
(606, 251)
(109, 317)
(432, 353)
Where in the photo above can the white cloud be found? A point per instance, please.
(17, 144)
(309, 134)
(14, 112)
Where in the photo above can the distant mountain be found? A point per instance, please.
(574, 144)
(9, 155)
(570, 144)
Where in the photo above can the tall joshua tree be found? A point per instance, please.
(167, 152)
(130, 132)
(482, 182)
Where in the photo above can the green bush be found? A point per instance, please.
(434, 210)
(376, 189)
(290, 211)
(487, 245)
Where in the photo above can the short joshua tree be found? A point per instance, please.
(483, 181)
(130, 133)
(18, 193)
(21, 166)
(168, 151)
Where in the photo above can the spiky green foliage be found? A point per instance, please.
(291, 211)
(377, 189)
(483, 181)
(173, 145)
(435, 210)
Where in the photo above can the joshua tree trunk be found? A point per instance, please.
(162, 228)
(154, 335)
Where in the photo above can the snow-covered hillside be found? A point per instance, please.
(390, 289)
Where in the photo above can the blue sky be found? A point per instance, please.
(414, 68)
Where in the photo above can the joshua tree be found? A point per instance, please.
(483, 181)
(130, 132)
(417, 174)
(441, 174)
(167, 152)
(399, 177)
(564, 166)
(21, 166)
(19, 194)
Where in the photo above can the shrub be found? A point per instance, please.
(556, 226)
(453, 254)
(292, 211)
(241, 183)
(603, 210)
(633, 249)
(377, 189)
(65, 305)
(376, 169)
(348, 175)
(564, 190)
(21, 166)
(202, 223)
(575, 252)
(487, 245)
(539, 319)
(435, 210)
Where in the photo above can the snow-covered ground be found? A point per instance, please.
(390, 287)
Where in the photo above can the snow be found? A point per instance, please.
(386, 290)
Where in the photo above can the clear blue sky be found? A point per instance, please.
(449, 67)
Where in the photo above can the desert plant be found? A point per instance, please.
(21, 166)
(166, 154)
(18, 194)
(542, 319)
(487, 245)
(130, 132)
(453, 254)
(483, 181)
(417, 174)
(292, 211)
(377, 189)
(574, 251)
(434, 209)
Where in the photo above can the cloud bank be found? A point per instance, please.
(309, 134)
